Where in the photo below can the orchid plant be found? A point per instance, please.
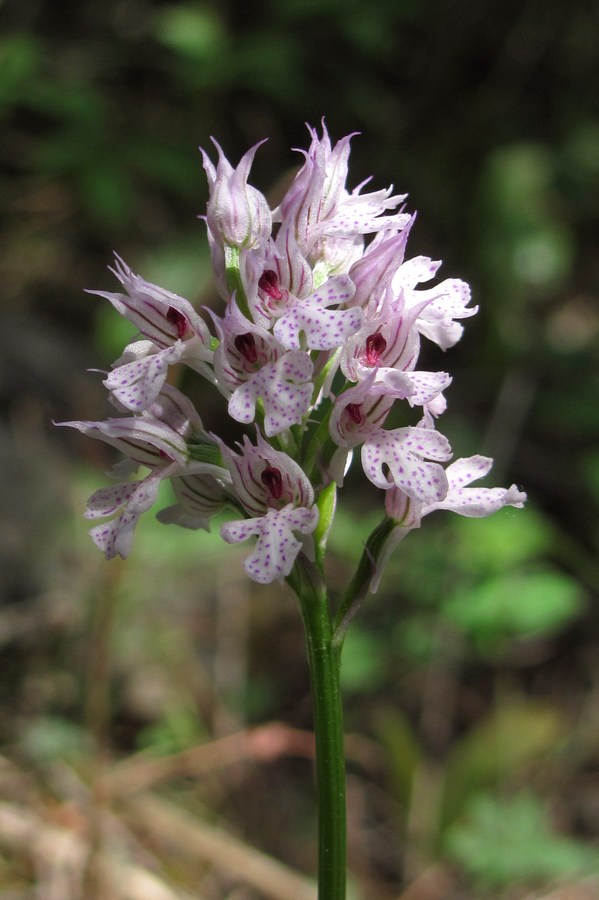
(318, 341)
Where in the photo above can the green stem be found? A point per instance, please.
(233, 279)
(328, 727)
(360, 583)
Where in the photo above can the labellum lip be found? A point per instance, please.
(269, 283)
(272, 479)
(246, 345)
(375, 347)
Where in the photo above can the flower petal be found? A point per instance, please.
(285, 388)
(115, 537)
(479, 501)
(137, 384)
(398, 458)
(277, 547)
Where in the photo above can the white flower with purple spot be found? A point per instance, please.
(359, 413)
(477, 502)
(277, 546)
(319, 341)
(265, 478)
(311, 323)
(160, 439)
(253, 364)
(277, 495)
(136, 384)
(409, 459)
(439, 306)
(163, 318)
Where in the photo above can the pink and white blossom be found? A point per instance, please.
(265, 478)
(439, 306)
(252, 364)
(159, 439)
(277, 546)
(408, 458)
(476, 502)
(160, 316)
(134, 385)
(313, 323)
(359, 413)
(238, 215)
(275, 492)
(318, 341)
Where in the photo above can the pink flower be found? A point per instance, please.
(409, 511)
(281, 276)
(160, 439)
(466, 501)
(319, 206)
(438, 306)
(318, 342)
(173, 333)
(144, 439)
(265, 478)
(161, 316)
(373, 272)
(315, 191)
(312, 319)
(386, 339)
(139, 375)
(277, 546)
(287, 301)
(253, 364)
(125, 503)
(358, 413)
(238, 215)
(276, 493)
(409, 459)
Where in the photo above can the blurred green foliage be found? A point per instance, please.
(509, 841)
(474, 663)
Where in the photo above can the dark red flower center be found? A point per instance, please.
(273, 480)
(375, 347)
(177, 319)
(246, 345)
(269, 283)
(355, 413)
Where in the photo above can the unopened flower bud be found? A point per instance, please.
(238, 214)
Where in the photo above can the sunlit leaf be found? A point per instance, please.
(500, 542)
(503, 744)
(364, 661)
(503, 842)
(190, 29)
(517, 605)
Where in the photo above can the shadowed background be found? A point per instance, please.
(472, 678)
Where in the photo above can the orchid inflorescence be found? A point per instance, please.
(318, 342)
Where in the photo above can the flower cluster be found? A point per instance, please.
(318, 341)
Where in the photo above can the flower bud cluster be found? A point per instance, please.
(318, 340)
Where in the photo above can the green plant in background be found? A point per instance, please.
(514, 176)
(507, 841)
(481, 593)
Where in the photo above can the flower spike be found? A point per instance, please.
(317, 343)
